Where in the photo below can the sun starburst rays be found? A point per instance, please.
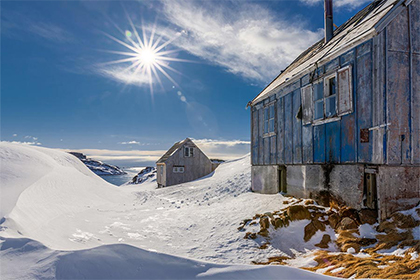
(145, 55)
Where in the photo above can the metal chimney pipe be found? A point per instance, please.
(328, 24)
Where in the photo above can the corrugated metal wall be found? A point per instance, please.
(386, 101)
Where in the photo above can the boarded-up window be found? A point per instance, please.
(345, 94)
(307, 104)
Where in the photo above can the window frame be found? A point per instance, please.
(190, 152)
(327, 94)
(178, 169)
(266, 122)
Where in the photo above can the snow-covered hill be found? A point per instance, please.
(98, 167)
(55, 199)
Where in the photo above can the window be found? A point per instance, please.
(331, 98)
(188, 152)
(330, 86)
(307, 104)
(178, 169)
(269, 113)
(318, 101)
(345, 94)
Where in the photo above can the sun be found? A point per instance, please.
(146, 55)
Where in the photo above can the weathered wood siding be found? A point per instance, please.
(385, 73)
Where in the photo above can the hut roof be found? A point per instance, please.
(356, 30)
(172, 150)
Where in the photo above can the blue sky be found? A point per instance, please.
(58, 90)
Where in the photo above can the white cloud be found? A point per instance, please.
(352, 4)
(24, 143)
(115, 156)
(223, 149)
(130, 143)
(15, 135)
(30, 137)
(120, 74)
(246, 39)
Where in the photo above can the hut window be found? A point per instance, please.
(188, 152)
(345, 94)
(269, 115)
(178, 169)
(307, 104)
(318, 101)
(330, 86)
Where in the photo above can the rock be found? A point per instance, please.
(350, 248)
(385, 226)
(263, 232)
(333, 220)
(403, 221)
(366, 241)
(264, 246)
(250, 235)
(347, 223)
(264, 222)
(298, 212)
(278, 222)
(269, 214)
(310, 231)
(368, 216)
(350, 213)
(309, 201)
(312, 228)
(285, 202)
(324, 241)
(252, 223)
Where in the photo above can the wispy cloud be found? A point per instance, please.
(120, 74)
(245, 39)
(14, 23)
(133, 142)
(50, 32)
(129, 143)
(223, 149)
(31, 143)
(351, 4)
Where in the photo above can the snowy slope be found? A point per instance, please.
(28, 259)
(62, 205)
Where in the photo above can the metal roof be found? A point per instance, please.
(356, 30)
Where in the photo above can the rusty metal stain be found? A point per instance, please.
(364, 135)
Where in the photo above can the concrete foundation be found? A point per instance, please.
(265, 179)
(397, 188)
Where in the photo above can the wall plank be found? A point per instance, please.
(297, 128)
(288, 129)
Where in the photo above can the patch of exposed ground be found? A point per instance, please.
(350, 244)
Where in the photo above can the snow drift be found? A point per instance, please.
(63, 221)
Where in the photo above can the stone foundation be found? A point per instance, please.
(398, 188)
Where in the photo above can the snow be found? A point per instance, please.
(63, 221)
(27, 259)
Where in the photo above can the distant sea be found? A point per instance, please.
(119, 180)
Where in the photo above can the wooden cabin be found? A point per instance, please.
(342, 122)
(183, 162)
